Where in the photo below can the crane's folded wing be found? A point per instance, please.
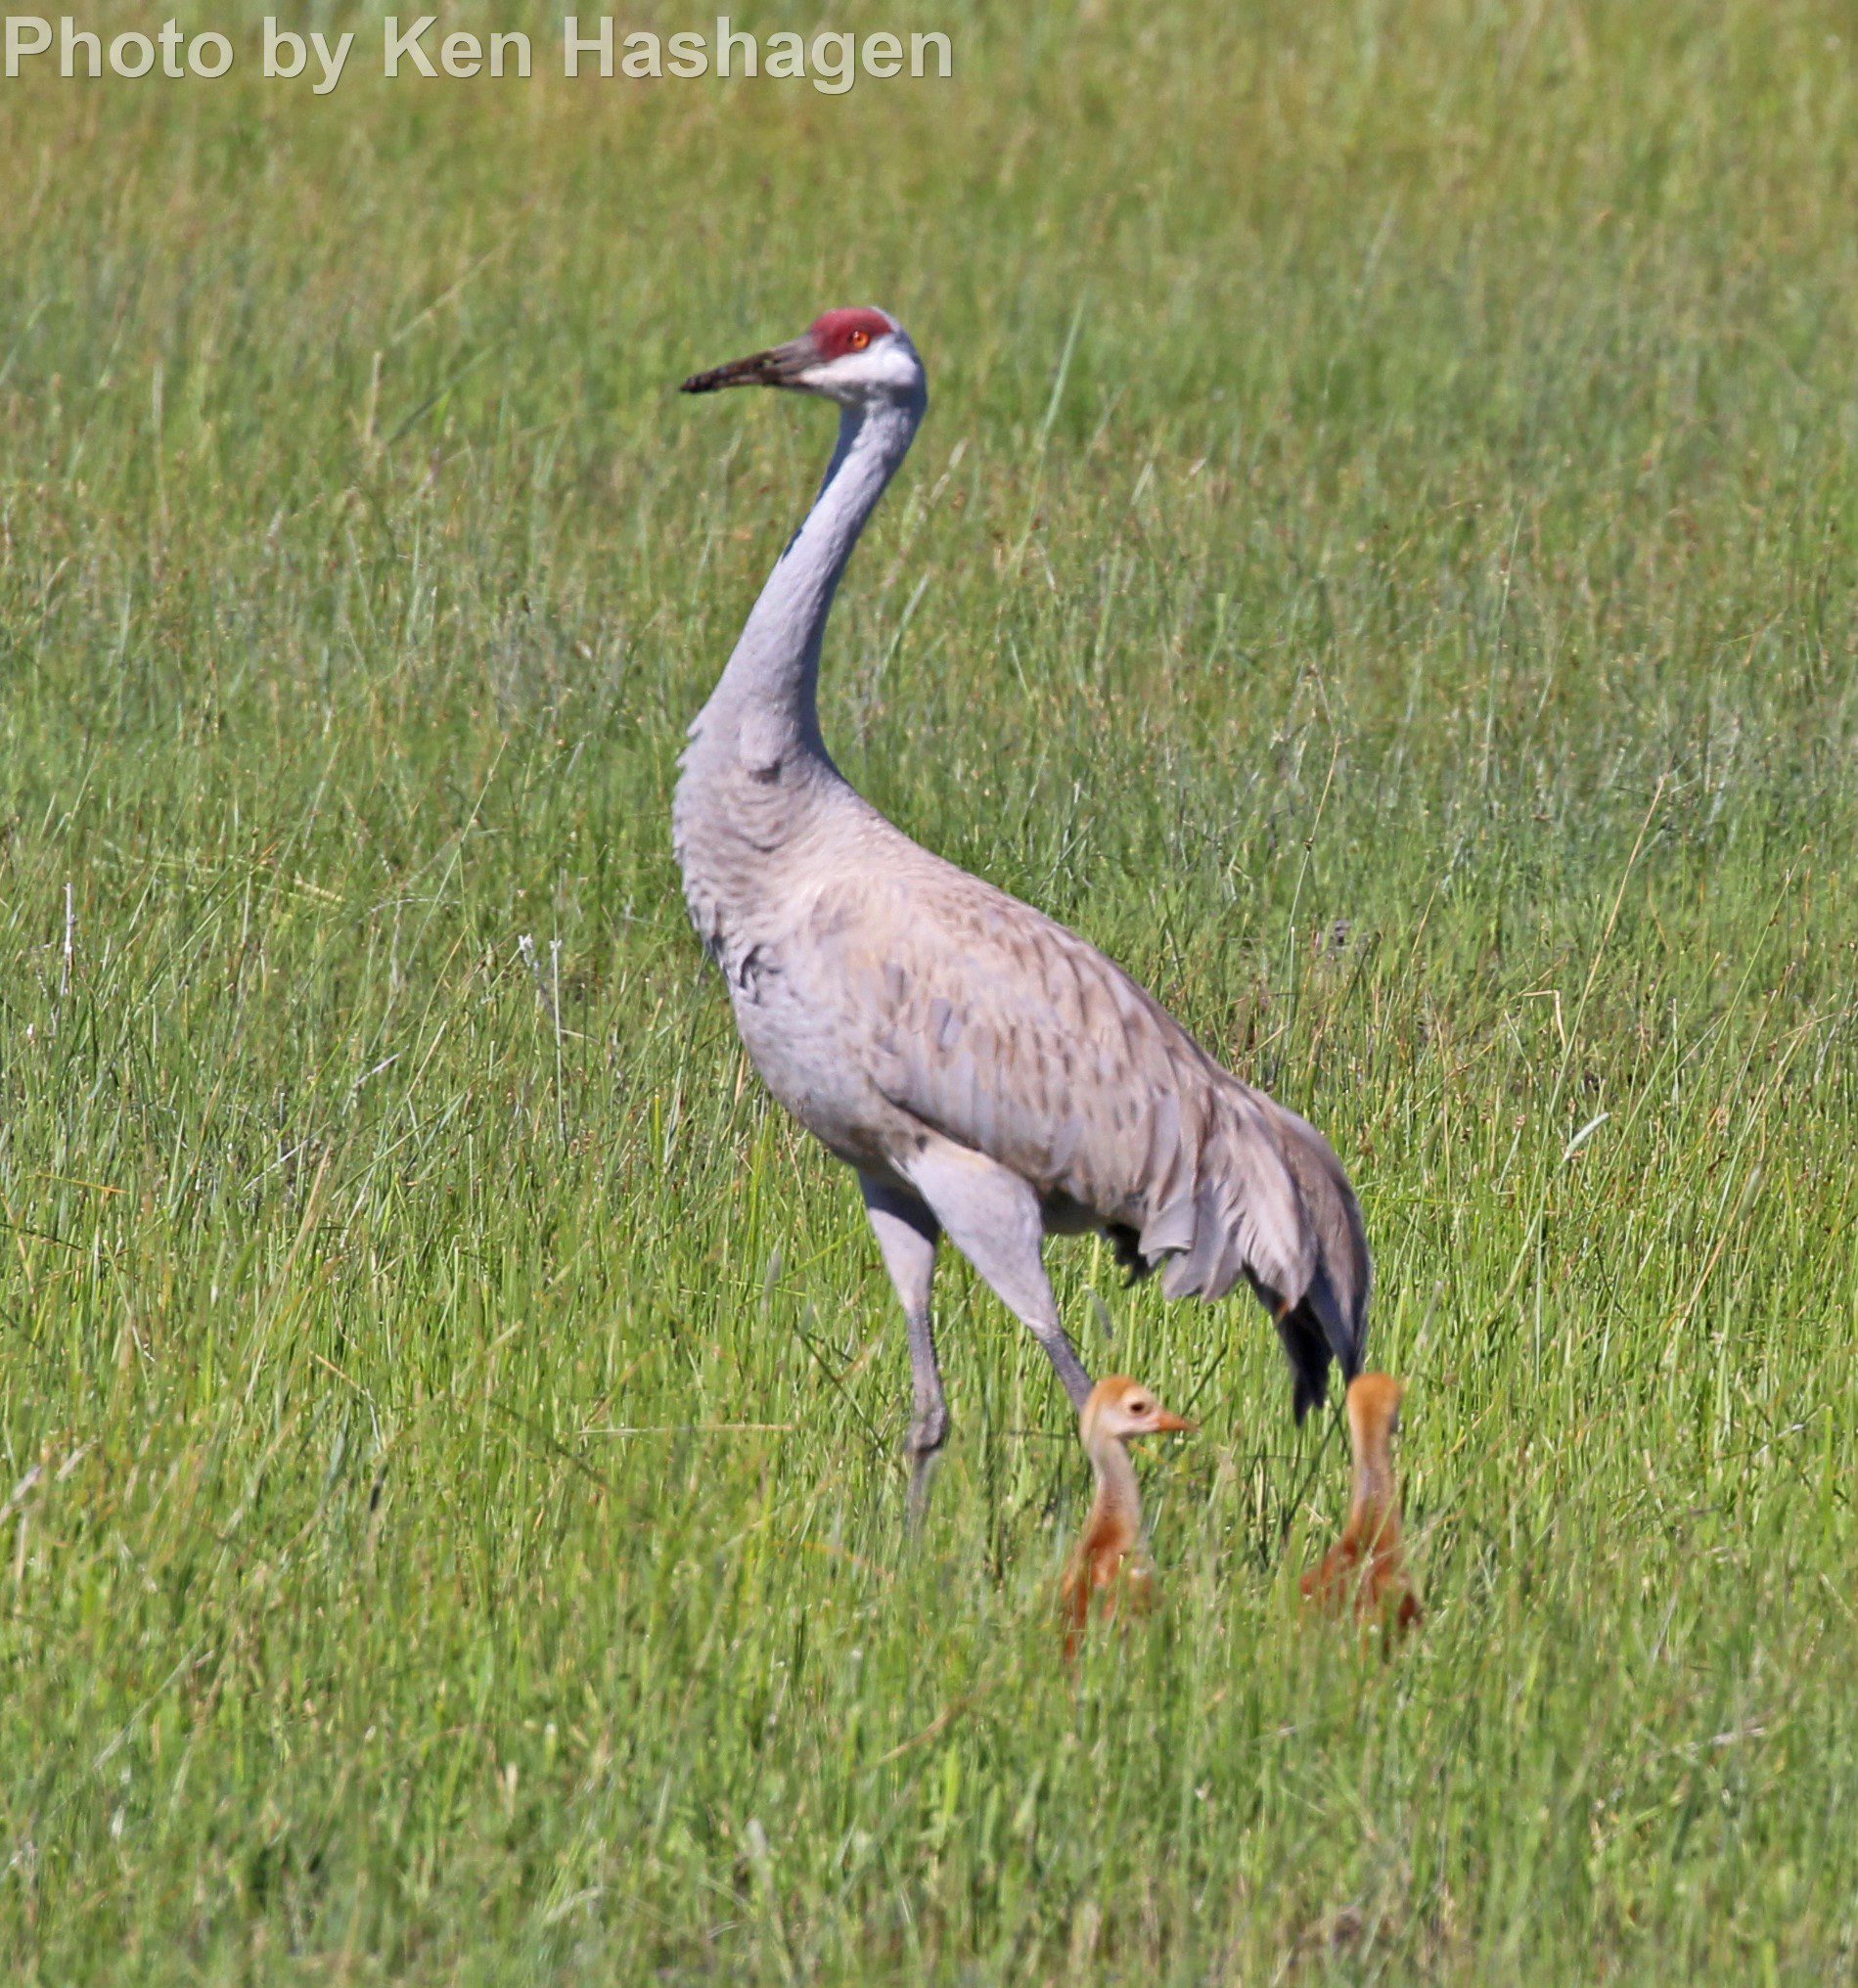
(1002, 1030)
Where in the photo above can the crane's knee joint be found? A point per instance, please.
(929, 1430)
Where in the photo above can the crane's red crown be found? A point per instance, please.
(841, 331)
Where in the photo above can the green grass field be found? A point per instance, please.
(1381, 561)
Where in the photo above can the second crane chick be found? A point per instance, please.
(1364, 1574)
(1109, 1562)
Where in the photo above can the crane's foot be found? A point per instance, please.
(922, 1468)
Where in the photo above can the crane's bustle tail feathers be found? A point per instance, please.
(1336, 1298)
(1272, 1205)
(1236, 1212)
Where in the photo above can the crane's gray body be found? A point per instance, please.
(986, 1072)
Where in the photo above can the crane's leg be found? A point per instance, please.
(907, 1235)
(992, 1217)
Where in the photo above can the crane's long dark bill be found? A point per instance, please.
(778, 366)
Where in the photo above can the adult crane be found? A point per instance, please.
(988, 1074)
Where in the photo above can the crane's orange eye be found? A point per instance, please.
(859, 341)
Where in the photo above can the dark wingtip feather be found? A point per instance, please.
(1126, 1246)
(1306, 1348)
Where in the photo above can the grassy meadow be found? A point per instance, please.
(1381, 561)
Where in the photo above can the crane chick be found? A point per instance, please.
(1110, 1563)
(1364, 1574)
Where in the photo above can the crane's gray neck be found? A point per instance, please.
(767, 697)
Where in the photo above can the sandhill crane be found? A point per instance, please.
(1109, 1565)
(987, 1073)
(1364, 1574)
